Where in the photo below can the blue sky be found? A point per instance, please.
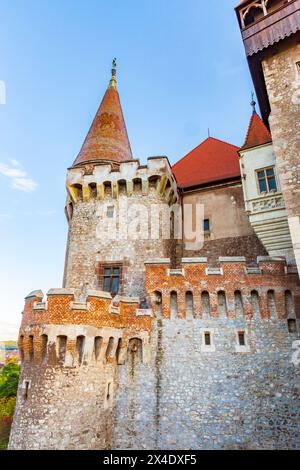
(182, 69)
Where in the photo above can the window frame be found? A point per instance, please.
(266, 179)
(101, 271)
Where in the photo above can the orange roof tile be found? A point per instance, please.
(107, 139)
(212, 161)
(258, 133)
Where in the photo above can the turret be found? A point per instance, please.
(107, 191)
(264, 202)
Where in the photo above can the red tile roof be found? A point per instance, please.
(107, 139)
(212, 161)
(258, 133)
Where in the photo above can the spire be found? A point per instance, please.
(253, 103)
(107, 139)
(113, 80)
(258, 133)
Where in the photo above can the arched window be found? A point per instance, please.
(107, 188)
(77, 189)
(137, 185)
(153, 181)
(238, 304)
(271, 304)
(253, 14)
(93, 190)
(255, 303)
(80, 342)
(157, 301)
(44, 347)
(110, 347)
(222, 304)
(119, 349)
(122, 187)
(189, 303)
(174, 304)
(273, 5)
(61, 345)
(31, 348)
(97, 347)
(21, 347)
(135, 349)
(205, 301)
(289, 304)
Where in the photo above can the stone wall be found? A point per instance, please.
(71, 352)
(90, 196)
(191, 398)
(103, 374)
(248, 246)
(282, 76)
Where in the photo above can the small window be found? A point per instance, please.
(207, 339)
(111, 279)
(206, 225)
(109, 395)
(292, 326)
(241, 337)
(266, 180)
(108, 391)
(26, 389)
(110, 212)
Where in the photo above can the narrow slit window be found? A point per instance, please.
(26, 389)
(292, 326)
(110, 212)
(207, 339)
(242, 339)
(206, 225)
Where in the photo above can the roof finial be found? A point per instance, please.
(253, 103)
(113, 80)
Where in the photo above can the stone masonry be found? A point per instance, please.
(282, 76)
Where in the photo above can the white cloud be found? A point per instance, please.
(18, 177)
(15, 162)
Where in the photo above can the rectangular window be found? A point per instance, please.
(266, 180)
(109, 277)
(206, 225)
(26, 389)
(241, 336)
(207, 339)
(110, 212)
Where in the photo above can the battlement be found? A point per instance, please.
(99, 309)
(56, 330)
(269, 290)
(98, 181)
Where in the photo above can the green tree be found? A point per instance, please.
(9, 378)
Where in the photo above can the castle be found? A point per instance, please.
(172, 341)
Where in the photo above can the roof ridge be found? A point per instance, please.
(263, 139)
(199, 145)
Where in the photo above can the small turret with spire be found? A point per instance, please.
(107, 139)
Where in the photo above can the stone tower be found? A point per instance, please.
(271, 35)
(107, 191)
(72, 344)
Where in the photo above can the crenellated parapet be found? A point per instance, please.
(101, 180)
(65, 331)
(268, 290)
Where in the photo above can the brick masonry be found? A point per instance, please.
(128, 394)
